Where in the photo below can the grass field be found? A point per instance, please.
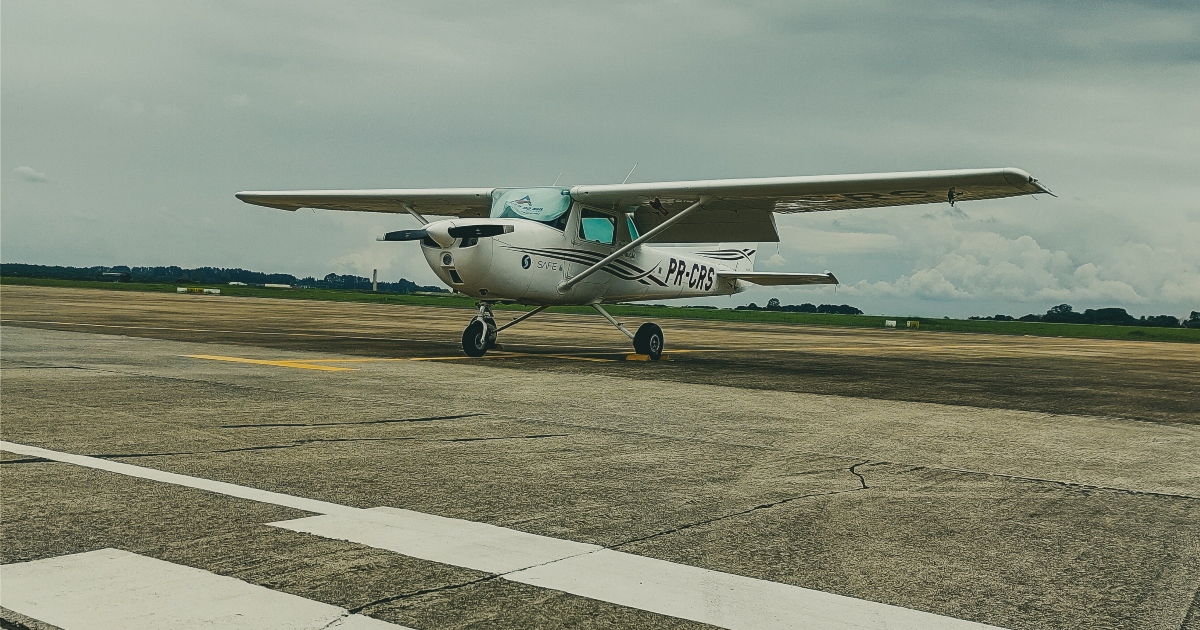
(1040, 329)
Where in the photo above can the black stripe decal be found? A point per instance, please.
(586, 258)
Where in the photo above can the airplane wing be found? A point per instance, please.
(458, 202)
(772, 279)
(742, 210)
(739, 210)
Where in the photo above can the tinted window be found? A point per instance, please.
(596, 226)
(544, 205)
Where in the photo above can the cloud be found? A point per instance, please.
(392, 260)
(991, 266)
(775, 261)
(1096, 99)
(31, 175)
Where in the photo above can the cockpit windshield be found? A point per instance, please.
(544, 205)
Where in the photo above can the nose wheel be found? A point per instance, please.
(480, 334)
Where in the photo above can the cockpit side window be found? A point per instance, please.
(597, 227)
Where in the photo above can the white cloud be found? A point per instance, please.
(31, 175)
(960, 265)
(775, 260)
(388, 95)
(393, 260)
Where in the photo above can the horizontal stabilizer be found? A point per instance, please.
(772, 279)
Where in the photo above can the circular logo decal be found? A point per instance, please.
(526, 261)
(446, 259)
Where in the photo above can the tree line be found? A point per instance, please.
(774, 305)
(1066, 314)
(207, 275)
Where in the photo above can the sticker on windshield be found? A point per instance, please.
(538, 204)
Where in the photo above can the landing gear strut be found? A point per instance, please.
(480, 335)
(649, 337)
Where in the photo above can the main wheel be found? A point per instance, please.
(474, 339)
(649, 340)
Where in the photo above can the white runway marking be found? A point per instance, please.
(687, 592)
(453, 541)
(110, 588)
(668, 588)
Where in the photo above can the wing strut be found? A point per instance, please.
(416, 215)
(570, 282)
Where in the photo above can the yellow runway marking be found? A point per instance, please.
(316, 364)
(291, 364)
(514, 355)
(344, 360)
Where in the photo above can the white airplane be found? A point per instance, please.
(587, 245)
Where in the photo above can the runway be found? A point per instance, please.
(346, 456)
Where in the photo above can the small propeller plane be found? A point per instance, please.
(590, 245)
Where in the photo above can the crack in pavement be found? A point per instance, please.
(338, 424)
(296, 443)
(514, 437)
(1067, 484)
(1192, 618)
(615, 546)
(861, 479)
(375, 401)
(764, 506)
(576, 425)
(42, 367)
(425, 591)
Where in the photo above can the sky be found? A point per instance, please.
(126, 127)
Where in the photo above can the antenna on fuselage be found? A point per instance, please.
(630, 173)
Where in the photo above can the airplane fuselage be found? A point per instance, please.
(528, 264)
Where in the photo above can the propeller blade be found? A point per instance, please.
(479, 231)
(403, 235)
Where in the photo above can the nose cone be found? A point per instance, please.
(439, 231)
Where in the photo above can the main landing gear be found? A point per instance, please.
(480, 335)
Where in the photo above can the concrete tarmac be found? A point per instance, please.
(1015, 481)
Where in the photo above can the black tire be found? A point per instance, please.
(474, 339)
(649, 341)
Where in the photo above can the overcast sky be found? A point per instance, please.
(128, 126)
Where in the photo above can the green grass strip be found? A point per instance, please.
(1037, 329)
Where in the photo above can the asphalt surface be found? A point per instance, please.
(1016, 481)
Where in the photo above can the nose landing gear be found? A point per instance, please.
(480, 335)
